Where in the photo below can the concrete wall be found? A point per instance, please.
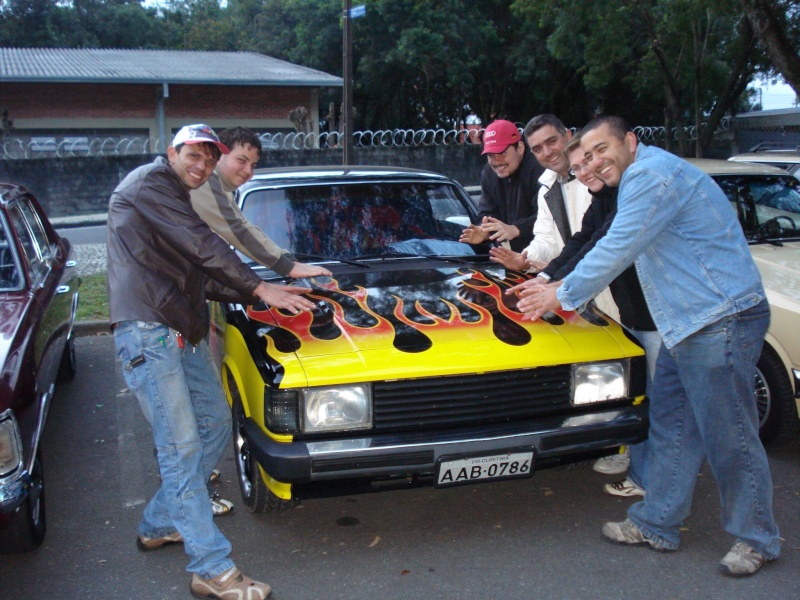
(82, 185)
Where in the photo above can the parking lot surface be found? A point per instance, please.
(536, 538)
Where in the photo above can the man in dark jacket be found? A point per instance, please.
(163, 264)
(509, 189)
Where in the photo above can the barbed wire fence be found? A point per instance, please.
(48, 147)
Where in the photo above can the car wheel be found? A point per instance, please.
(777, 410)
(255, 493)
(69, 364)
(26, 530)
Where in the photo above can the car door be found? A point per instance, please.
(51, 289)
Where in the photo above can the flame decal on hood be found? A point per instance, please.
(361, 318)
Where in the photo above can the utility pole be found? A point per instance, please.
(347, 95)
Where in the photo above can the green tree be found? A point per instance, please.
(777, 26)
(82, 24)
(696, 55)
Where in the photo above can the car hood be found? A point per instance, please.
(780, 272)
(404, 320)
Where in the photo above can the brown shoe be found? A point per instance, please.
(230, 585)
(146, 544)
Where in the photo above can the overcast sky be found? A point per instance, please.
(779, 95)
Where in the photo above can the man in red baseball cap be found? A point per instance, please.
(509, 189)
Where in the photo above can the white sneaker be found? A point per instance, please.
(742, 561)
(625, 488)
(221, 506)
(613, 464)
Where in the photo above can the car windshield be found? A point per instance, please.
(768, 205)
(9, 274)
(358, 220)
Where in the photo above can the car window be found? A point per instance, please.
(29, 236)
(34, 220)
(9, 270)
(768, 206)
(363, 219)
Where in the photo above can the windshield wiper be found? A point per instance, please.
(443, 257)
(329, 259)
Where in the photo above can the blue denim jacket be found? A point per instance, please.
(689, 249)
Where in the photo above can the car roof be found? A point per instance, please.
(727, 167)
(320, 174)
(787, 156)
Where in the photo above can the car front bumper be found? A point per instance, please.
(14, 491)
(417, 453)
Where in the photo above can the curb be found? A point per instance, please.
(85, 328)
(79, 220)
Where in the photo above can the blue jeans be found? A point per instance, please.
(181, 395)
(702, 406)
(638, 470)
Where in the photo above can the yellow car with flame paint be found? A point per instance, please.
(416, 368)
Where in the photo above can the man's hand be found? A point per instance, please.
(499, 231)
(284, 296)
(300, 270)
(473, 234)
(536, 298)
(509, 259)
(537, 265)
(519, 289)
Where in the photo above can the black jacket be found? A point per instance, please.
(513, 199)
(163, 260)
(626, 289)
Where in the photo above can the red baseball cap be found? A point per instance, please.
(500, 135)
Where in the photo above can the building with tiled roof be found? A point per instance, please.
(55, 93)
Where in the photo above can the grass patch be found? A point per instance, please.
(93, 303)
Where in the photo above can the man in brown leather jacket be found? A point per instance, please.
(163, 264)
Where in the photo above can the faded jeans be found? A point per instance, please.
(181, 395)
(702, 407)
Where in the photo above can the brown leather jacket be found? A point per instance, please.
(163, 260)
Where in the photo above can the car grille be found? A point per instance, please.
(470, 399)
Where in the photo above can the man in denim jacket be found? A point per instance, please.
(707, 301)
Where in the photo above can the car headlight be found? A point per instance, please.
(599, 382)
(10, 444)
(339, 408)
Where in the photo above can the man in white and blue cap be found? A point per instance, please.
(164, 263)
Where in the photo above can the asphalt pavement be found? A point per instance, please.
(530, 539)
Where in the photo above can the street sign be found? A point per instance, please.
(358, 11)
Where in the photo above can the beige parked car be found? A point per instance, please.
(786, 157)
(767, 200)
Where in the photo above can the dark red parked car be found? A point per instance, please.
(38, 300)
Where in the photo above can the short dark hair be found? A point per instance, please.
(575, 141)
(540, 121)
(243, 137)
(618, 126)
(213, 149)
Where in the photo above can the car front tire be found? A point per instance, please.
(256, 495)
(777, 410)
(69, 363)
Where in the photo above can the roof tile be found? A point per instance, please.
(84, 65)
